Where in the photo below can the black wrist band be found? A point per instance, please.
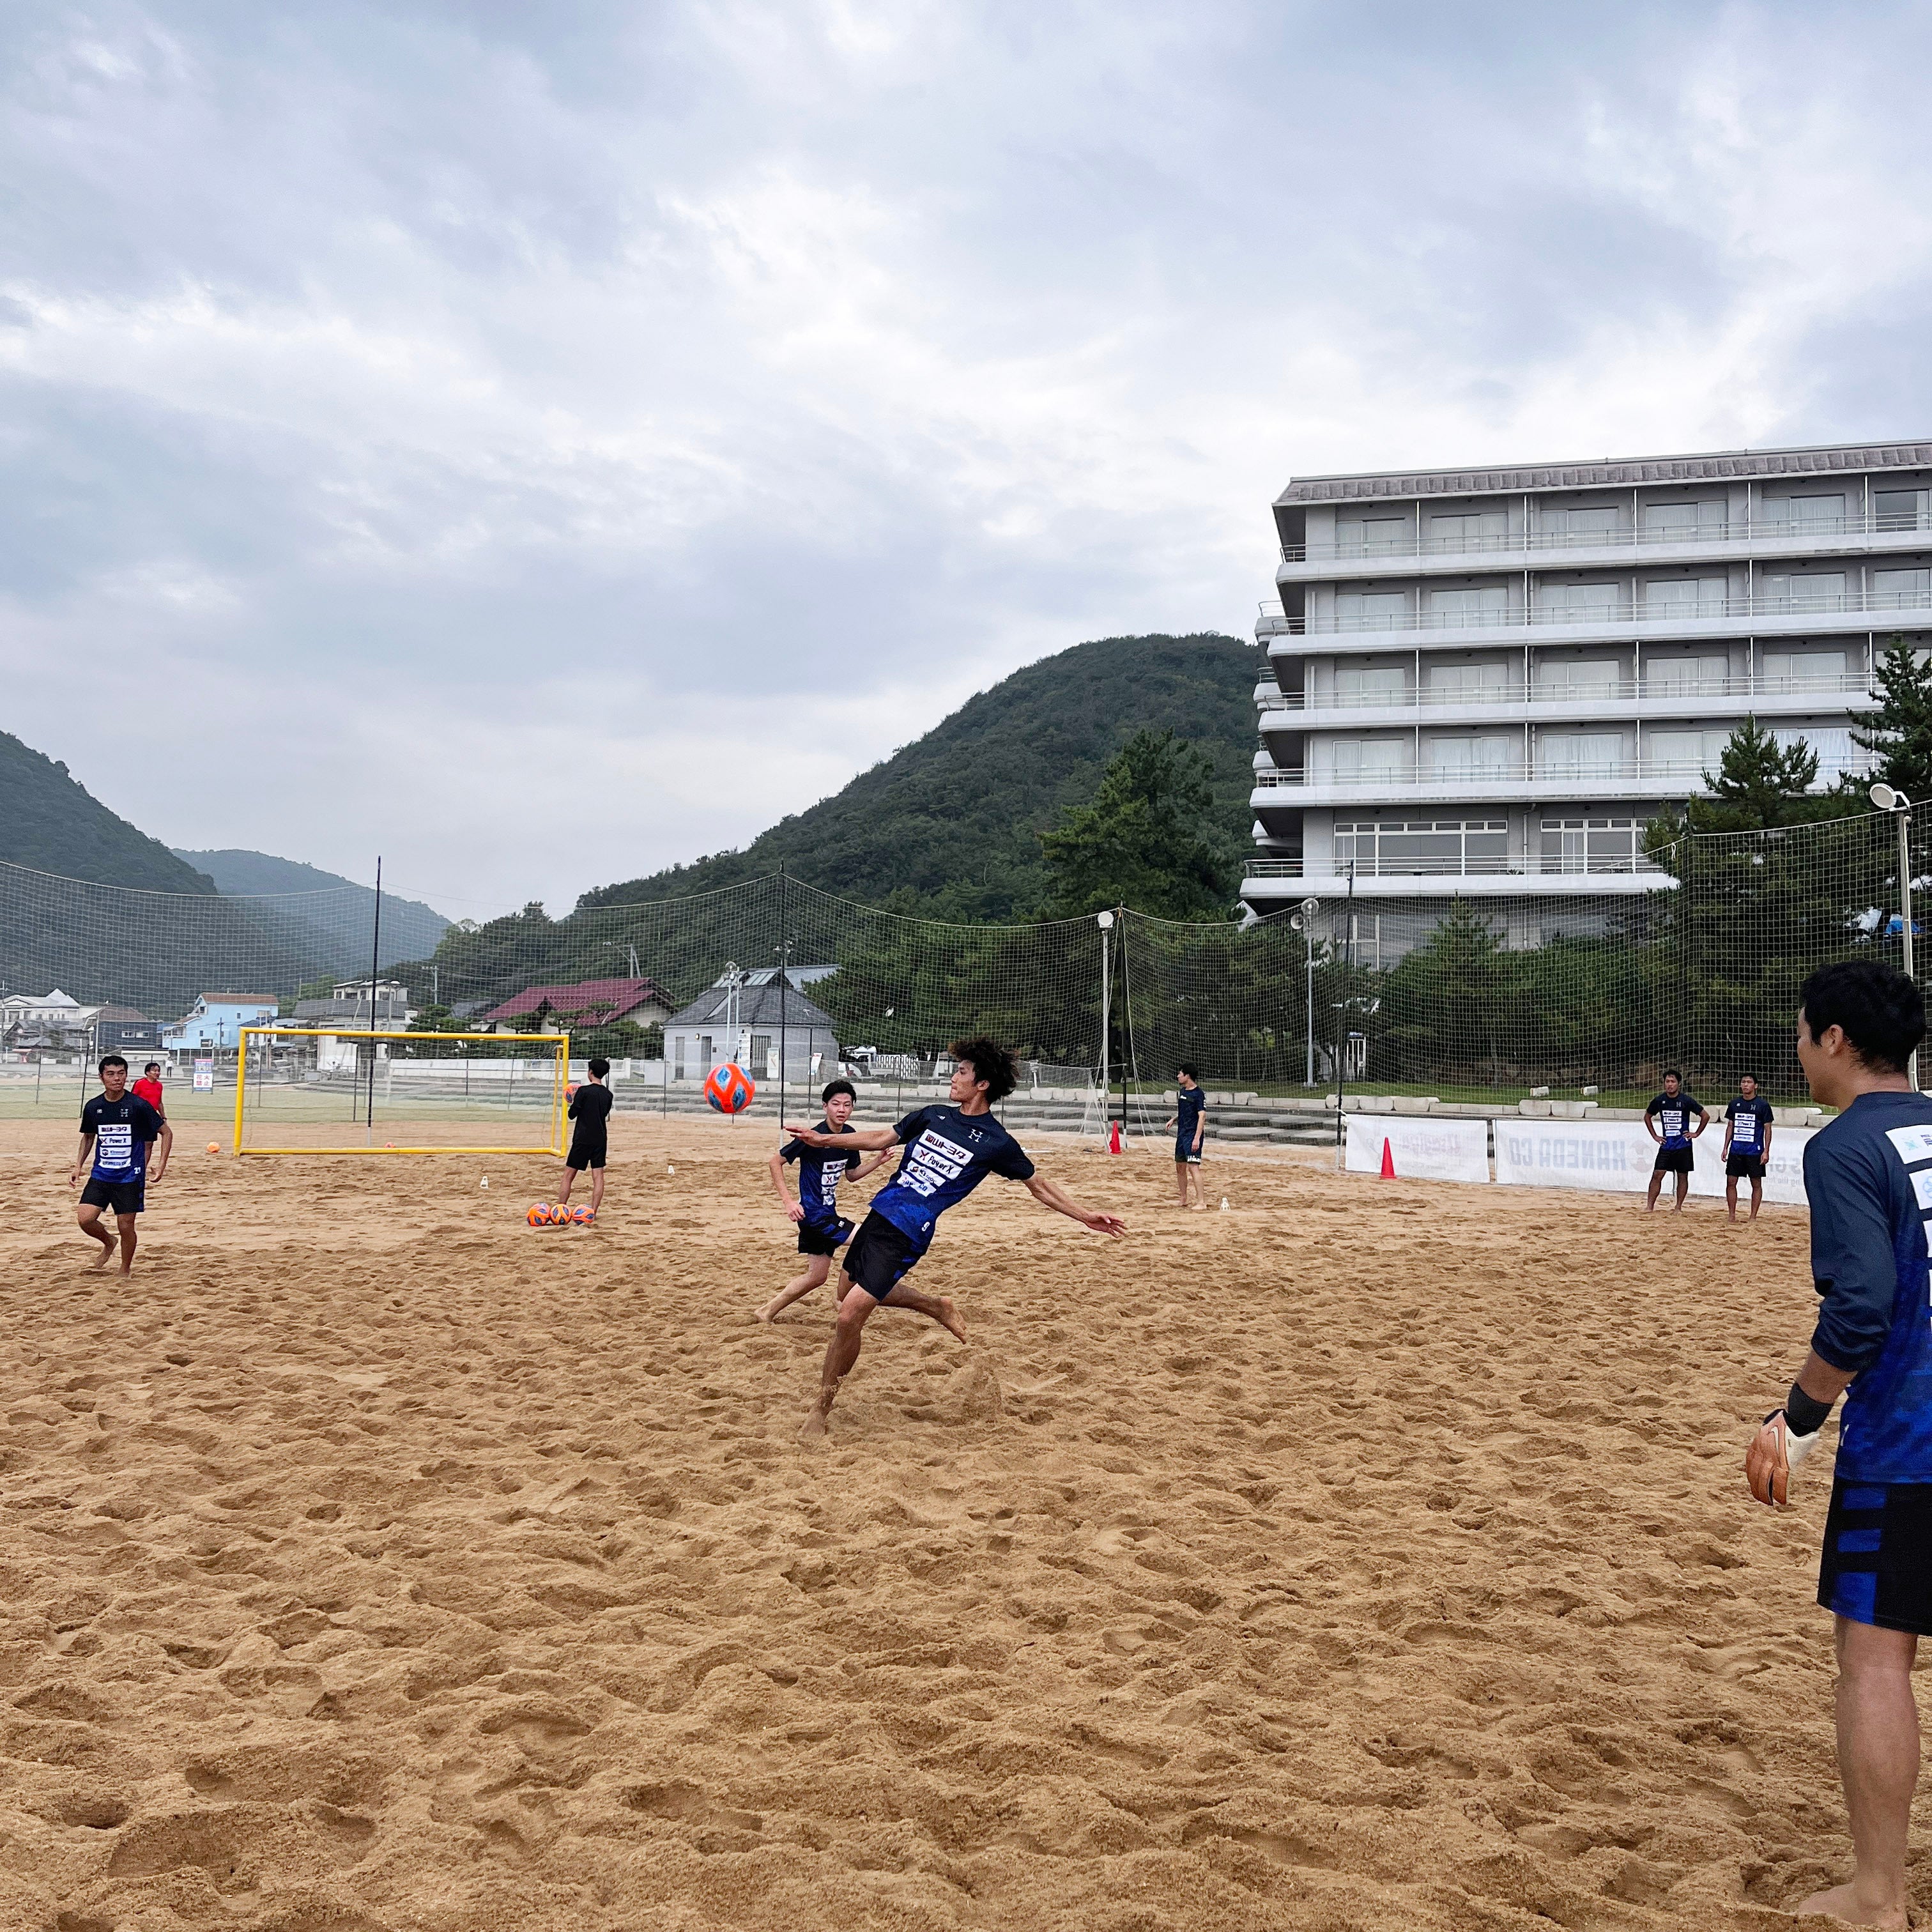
(1803, 1414)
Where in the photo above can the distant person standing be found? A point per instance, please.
(589, 1142)
(148, 1086)
(1747, 1144)
(1189, 1123)
(1667, 1121)
(117, 1128)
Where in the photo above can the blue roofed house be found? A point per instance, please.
(215, 1022)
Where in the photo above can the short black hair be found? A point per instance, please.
(598, 1068)
(1882, 1012)
(1671, 1073)
(112, 1059)
(1751, 1077)
(1190, 1072)
(990, 1062)
(844, 1086)
(152, 1067)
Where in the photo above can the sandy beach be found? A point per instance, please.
(1371, 1555)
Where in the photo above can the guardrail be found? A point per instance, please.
(1631, 771)
(1532, 866)
(1849, 684)
(1273, 623)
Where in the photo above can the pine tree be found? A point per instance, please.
(1899, 733)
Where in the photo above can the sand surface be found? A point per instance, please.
(1374, 1554)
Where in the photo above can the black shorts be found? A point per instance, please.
(1877, 1564)
(1675, 1160)
(119, 1197)
(823, 1237)
(1745, 1166)
(1186, 1154)
(879, 1257)
(584, 1153)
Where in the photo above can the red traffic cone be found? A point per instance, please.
(1114, 1137)
(1388, 1160)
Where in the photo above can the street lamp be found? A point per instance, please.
(1302, 922)
(1888, 798)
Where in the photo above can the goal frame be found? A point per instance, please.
(559, 1042)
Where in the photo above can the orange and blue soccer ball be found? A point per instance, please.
(729, 1088)
(542, 1215)
(582, 1217)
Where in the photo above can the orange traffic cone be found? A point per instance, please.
(1114, 1137)
(1388, 1160)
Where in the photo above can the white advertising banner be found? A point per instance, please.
(1617, 1157)
(1421, 1148)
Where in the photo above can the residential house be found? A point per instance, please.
(745, 1022)
(576, 1009)
(215, 1022)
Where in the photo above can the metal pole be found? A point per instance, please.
(375, 966)
(784, 960)
(1106, 1034)
(1904, 817)
(1308, 935)
(1342, 1040)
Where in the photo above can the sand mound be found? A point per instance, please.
(1372, 1554)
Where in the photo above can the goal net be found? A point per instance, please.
(300, 1090)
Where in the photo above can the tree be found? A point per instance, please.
(1142, 839)
(1899, 733)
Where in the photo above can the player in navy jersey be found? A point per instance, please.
(822, 1230)
(949, 1151)
(1868, 1178)
(1747, 1144)
(117, 1128)
(1190, 1124)
(1667, 1121)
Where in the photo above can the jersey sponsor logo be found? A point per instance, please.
(113, 1147)
(931, 1161)
(1921, 1187)
(1913, 1143)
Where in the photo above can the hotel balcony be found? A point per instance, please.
(1272, 884)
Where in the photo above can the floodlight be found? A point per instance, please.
(1887, 800)
(1104, 920)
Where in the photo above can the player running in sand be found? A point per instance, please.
(117, 1128)
(1868, 1178)
(949, 1151)
(822, 1230)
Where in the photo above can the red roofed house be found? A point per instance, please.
(590, 1003)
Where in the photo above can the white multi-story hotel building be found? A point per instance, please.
(1486, 681)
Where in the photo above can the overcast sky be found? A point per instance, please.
(543, 442)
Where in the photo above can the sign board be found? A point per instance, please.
(1421, 1147)
(204, 1076)
(1617, 1157)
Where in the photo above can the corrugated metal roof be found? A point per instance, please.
(1826, 460)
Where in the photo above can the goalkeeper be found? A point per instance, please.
(1868, 1178)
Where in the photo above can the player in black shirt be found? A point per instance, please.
(590, 1107)
(1667, 1121)
(822, 1230)
(117, 1128)
(1190, 1125)
(1747, 1144)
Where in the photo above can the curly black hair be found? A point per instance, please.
(990, 1062)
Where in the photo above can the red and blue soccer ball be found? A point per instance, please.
(729, 1088)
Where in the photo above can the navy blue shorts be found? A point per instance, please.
(1877, 1564)
(823, 1237)
(1186, 1153)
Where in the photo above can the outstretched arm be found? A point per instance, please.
(1050, 1194)
(860, 1140)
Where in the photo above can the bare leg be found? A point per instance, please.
(1656, 1182)
(1181, 1180)
(798, 1287)
(563, 1195)
(841, 1353)
(1757, 1196)
(1683, 1191)
(596, 1189)
(129, 1239)
(90, 1226)
(1731, 1195)
(936, 1307)
(1878, 1765)
(1200, 1189)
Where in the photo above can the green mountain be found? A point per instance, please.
(341, 914)
(953, 818)
(53, 824)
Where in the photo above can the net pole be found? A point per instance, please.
(784, 961)
(1342, 1030)
(240, 1079)
(1106, 1026)
(375, 960)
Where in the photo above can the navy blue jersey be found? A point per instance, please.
(1868, 1178)
(1190, 1104)
(123, 1130)
(1674, 1117)
(1749, 1120)
(947, 1155)
(819, 1172)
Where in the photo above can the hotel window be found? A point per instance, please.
(1575, 755)
(1579, 677)
(1673, 522)
(1464, 758)
(1593, 845)
(1899, 589)
(1801, 670)
(1370, 684)
(1698, 676)
(1597, 524)
(1684, 755)
(1832, 742)
(1368, 761)
(1804, 590)
(1424, 845)
(1812, 513)
(1579, 603)
(1371, 610)
(1371, 536)
(1468, 683)
(1686, 597)
(1902, 509)
(1450, 609)
(1472, 530)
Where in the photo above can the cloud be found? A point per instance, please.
(542, 448)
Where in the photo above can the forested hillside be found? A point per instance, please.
(340, 911)
(954, 817)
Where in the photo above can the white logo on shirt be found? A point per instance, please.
(114, 1147)
(1913, 1143)
(931, 1161)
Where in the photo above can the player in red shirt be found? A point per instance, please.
(148, 1086)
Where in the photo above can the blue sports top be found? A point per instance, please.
(1674, 1117)
(123, 1130)
(1868, 1178)
(947, 1155)
(1190, 1103)
(819, 1172)
(1748, 1120)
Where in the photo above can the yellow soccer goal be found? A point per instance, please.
(301, 1090)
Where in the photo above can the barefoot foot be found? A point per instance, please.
(769, 1312)
(1842, 1901)
(813, 1426)
(105, 1255)
(948, 1317)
